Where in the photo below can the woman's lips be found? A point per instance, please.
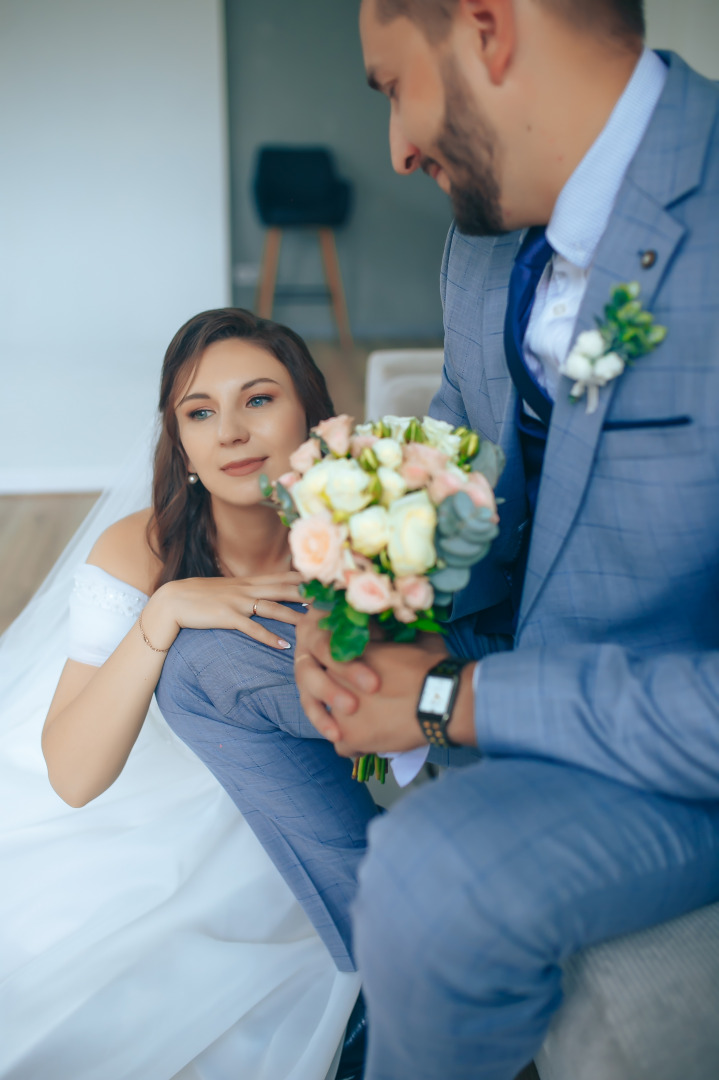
(244, 467)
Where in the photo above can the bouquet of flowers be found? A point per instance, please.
(386, 520)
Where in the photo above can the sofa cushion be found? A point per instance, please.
(641, 1007)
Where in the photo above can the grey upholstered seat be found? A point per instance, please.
(641, 1007)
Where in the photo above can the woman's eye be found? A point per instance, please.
(200, 414)
(259, 400)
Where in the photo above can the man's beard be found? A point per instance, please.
(468, 144)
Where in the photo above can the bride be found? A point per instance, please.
(147, 934)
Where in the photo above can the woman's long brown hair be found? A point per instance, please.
(181, 530)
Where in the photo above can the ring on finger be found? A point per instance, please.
(254, 608)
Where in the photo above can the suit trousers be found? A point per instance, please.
(478, 886)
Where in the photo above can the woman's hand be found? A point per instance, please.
(223, 604)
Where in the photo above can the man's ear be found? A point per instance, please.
(493, 25)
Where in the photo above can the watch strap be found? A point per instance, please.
(434, 725)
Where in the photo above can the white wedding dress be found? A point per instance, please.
(146, 936)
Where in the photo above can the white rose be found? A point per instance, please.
(412, 522)
(608, 367)
(364, 429)
(393, 485)
(577, 366)
(590, 343)
(309, 492)
(439, 434)
(369, 530)
(388, 452)
(397, 425)
(346, 486)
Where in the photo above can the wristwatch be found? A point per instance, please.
(436, 701)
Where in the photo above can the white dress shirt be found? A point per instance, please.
(580, 216)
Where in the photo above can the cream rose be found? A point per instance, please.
(439, 434)
(369, 530)
(316, 544)
(388, 452)
(412, 522)
(577, 366)
(370, 592)
(347, 485)
(393, 485)
(590, 343)
(608, 367)
(309, 492)
(397, 425)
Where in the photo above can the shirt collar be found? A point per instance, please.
(585, 203)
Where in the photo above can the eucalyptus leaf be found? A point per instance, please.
(490, 461)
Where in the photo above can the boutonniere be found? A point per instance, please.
(600, 355)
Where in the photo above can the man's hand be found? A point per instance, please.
(373, 702)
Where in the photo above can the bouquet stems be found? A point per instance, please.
(369, 765)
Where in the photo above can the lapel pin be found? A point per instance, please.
(648, 258)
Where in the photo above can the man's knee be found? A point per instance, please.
(448, 879)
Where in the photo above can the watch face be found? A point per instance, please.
(436, 695)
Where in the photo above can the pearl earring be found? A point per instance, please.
(192, 478)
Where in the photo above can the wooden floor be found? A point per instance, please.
(34, 529)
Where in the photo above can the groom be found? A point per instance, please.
(594, 811)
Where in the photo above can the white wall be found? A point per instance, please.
(689, 27)
(113, 218)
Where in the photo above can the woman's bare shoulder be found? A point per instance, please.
(123, 551)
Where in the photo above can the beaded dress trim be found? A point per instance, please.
(95, 586)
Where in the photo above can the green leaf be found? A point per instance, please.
(426, 625)
(347, 642)
(324, 596)
(358, 618)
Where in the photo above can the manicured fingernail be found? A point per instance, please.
(366, 680)
(283, 644)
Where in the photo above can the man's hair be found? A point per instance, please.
(615, 18)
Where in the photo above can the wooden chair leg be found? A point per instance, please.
(334, 284)
(268, 276)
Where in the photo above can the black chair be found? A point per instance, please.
(297, 187)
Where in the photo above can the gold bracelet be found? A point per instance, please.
(146, 639)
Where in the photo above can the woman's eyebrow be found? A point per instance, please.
(245, 386)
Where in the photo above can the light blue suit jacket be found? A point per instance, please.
(615, 666)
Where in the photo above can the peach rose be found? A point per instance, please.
(369, 591)
(316, 544)
(402, 612)
(415, 591)
(288, 479)
(480, 492)
(305, 456)
(420, 463)
(336, 433)
(358, 443)
(445, 483)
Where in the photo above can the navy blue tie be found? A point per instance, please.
(533, 256)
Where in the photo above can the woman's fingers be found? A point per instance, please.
(315, 688)
(260, 633)
(267, 610)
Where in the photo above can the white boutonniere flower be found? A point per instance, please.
(600, 355)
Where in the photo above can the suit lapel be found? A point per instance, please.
(639, 223)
